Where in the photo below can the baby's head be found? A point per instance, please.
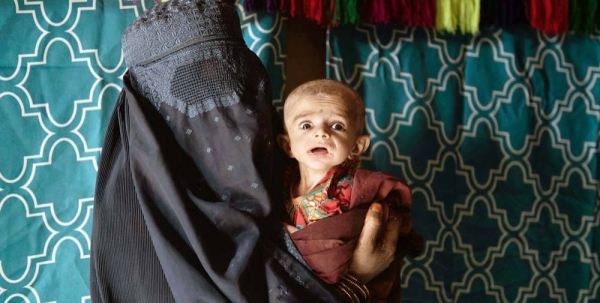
(336, 91)
(324, 121)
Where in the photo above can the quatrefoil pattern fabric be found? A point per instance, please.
(497, 135)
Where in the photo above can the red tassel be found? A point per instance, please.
(332, 8)
(405, 12)
(561, 23)
(379, 11)
(395, 7)
(296, 8)
(314, 10)
(428, 10)
(550, 16)
(284, 5)
(418, 13)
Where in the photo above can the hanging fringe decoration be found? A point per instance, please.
(582, 14)
(350, 10)
(597, 27)
(398, 9)
(506, 13)
(426, 10)
(469, 16)
(251, 5)
(451, 16)
(511, 13)
(458, 14)
(296, 8)
(413, 12)
(550, 16)
(272, 5)
(489, 10)
(315, 10)
(445, 19)
(377, 11)
(284, 5)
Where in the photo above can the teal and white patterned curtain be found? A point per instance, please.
(61, 71)
(497, 134)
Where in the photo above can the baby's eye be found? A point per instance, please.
(337, 126)
(305, 125)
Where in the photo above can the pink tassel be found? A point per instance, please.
(405, 15)
(427, 15)
(396, 9)
(380, 13)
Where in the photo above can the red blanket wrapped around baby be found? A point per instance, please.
(327, 244)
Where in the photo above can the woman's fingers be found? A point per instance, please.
(368, 236)
(373, 254)
(391, 233)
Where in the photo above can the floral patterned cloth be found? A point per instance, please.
(331, 195)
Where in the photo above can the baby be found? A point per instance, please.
(324, 122)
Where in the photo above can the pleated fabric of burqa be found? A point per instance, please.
(188, 193)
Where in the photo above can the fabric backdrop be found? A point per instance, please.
(60, 74)
(497, 134)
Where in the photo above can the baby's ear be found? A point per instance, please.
(284, 142)
(362, 143)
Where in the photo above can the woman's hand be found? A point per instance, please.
(374, 254)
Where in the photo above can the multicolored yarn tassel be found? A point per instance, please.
(350, 11)
(414, 12)
(425, 10)
(445, 20)
(488, 15)
(314, 10)
(511, 13)
(376, 11)
(551, 16)
(597, 18)
(582, 14)
(458, 14)
(464, 16)
(468, 20)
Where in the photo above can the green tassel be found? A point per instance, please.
(574, 15)
(351, 12)
(583, 15)
(592, 16)
(597, 19)
(337, 14)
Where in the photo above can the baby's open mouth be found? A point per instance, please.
(319, 150)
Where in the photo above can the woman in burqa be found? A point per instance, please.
(187, 205)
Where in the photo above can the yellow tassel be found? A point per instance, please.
(458, 14)
(469, 16)
(445, 20)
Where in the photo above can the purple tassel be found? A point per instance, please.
(253, 5)
(272, 5)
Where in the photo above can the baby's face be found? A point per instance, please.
(322, 131)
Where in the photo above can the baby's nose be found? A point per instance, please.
(322, 132)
